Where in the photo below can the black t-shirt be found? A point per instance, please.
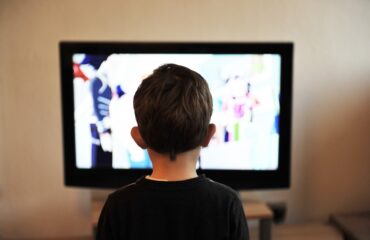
(197, 208)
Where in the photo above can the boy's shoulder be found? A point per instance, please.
(200, 186)
(198, 206)
(222, 189)
(124, 192)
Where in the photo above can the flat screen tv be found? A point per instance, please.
(251, 85)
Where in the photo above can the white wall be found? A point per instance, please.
(331, 113)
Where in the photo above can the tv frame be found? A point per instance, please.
(237, 179)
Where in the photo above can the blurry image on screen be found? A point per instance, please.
(246, 106)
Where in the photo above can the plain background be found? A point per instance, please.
(331, 108)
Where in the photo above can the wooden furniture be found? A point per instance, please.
(354, 226)
(255, 210)
(306, 231)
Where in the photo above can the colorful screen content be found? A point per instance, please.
(246, 106)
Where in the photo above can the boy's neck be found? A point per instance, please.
(183, 168)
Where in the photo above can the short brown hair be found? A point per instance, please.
(173, 107)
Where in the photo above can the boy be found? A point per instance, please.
(173, 107)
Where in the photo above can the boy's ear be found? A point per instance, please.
(135, 134)
(210, 133)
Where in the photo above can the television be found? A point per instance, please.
(251, 86)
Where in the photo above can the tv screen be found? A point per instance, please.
(251, 86)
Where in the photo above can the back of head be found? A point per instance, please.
(173, 107)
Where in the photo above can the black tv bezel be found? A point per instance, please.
(237, 179)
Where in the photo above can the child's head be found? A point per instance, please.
(173, 107)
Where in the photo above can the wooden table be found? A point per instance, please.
(255, 210)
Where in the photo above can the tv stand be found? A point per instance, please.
(260, 211)
(254, 210)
